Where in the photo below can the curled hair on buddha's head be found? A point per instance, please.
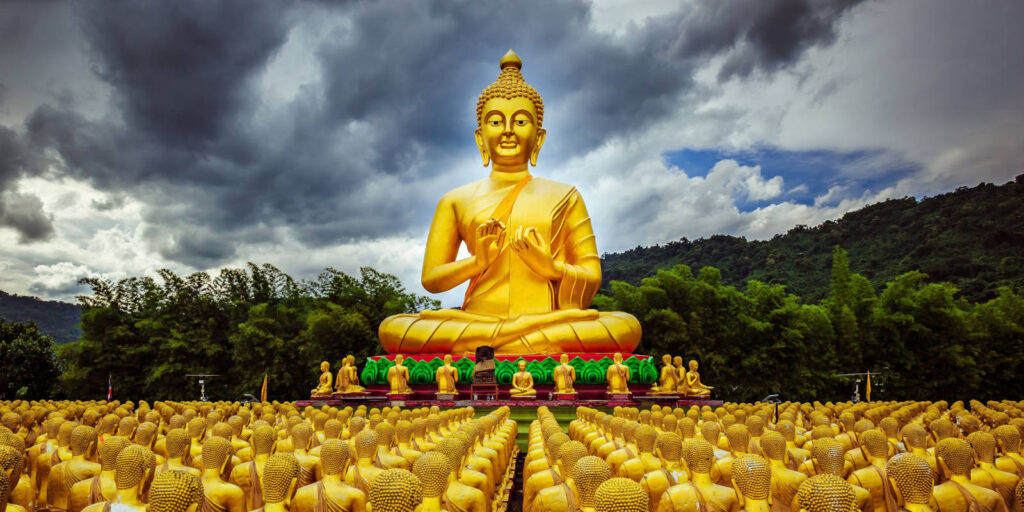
(175, 491)
(510, 84)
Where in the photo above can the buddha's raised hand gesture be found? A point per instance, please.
(535, 251)
(490, 236)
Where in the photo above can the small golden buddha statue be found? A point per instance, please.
(447, 376)
(568, 454)
(280, 477)
(1008, 440)
(700, 492)
(398, 377)
(310, 469)
(677, 361)
(330, 494)
(522, 383)
(360, 474)
(644, 460)
(668, 381)
(692, 385)
(248, 476)
(135, 465)
(461, 496)
(533, 267)
(433, 470)
(911, 480)
(672, 471)
(617, 376)
(956, 459)
(100, 487)
(348, 377)
(324, 388)
(219, 495)
(79, 467)
(577, 492)
(752, 479)
(785, 481)
(395, 490)
(385, 442)
(178, 444)
(876, 450)
(175, 491)
(987, 474)
(620, 495)
(404, 447)
(564, 376)
(12, 462)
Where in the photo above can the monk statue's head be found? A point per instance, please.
(617, 357)
(325, 366)
(398, 359)
(677, 360)
(447, 359)
(693, 365)
(564, 359)
(509, 115)
(522, 365)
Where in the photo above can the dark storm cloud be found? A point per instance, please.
(23, 213)
(394, 103)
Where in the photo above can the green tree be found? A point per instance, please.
(30, 365)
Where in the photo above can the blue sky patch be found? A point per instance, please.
(806, 174)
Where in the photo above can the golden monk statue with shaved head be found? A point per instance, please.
(533, 265)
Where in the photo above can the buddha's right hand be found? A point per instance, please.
(490, 237)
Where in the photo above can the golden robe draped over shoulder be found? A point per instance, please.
(511, 307)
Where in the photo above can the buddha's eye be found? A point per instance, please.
(521, 122)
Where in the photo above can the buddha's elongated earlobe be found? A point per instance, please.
(484, 155)
(536, 147)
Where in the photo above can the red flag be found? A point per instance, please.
(263, 390)
(110, 388)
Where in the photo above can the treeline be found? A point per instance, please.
(972, 238)
(146, 336)
(922, 338)
(55, 318)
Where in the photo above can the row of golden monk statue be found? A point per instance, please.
(179, 457)
(673, 379)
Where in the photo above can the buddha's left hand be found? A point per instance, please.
(535, 252)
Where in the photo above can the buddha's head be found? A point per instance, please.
(432, 468)
(280, 475)
(751, 477)
(216, 453)
(773, 445)
(398, 359)
(302, 436)
(669, 446)
(666, 359)
(12, 463)
(677, 361)
(570, 453)
(693, 365)
(875, 444)
(911, 478)
(395, 490)
(263, 439)
(620, 495)
(350, 360)
(564, 359)
(617, 357)
(83, 441)
(334, 456)
(134, 466)
(447, 360)
(955, 456)
(825, 493)
(914, 436)
(828, 453)
(699, 454)
(175, 491)
(588, 474)
(325, 367)
(108, 452)
(521, 365)
(509, 115)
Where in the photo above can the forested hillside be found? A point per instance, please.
(59, 320)
(972, 238)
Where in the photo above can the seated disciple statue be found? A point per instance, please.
(692, 385)
(617, 376)
(668, 381)
(564, 376)
(522, 382)
(398, 377)
(325, 380)
(447, 376)
(348, 377)
(533, 266)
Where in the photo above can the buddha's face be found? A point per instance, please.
(678, 361)
(508, 134)
(693, 366)
(667, 359)
(324, 366)
(522, 366)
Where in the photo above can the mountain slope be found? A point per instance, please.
(58, 320)
(972, 237)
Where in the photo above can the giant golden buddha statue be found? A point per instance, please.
(533, 265)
